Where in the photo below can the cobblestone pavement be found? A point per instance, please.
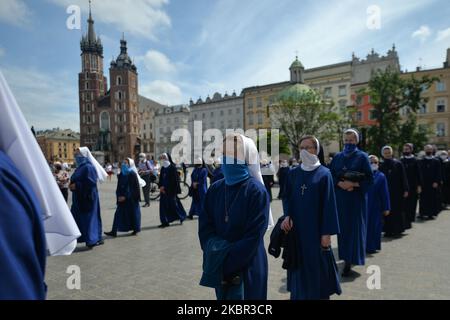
(166, 264)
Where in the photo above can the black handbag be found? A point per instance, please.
(353, 176)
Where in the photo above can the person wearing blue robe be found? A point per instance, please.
(128, 213)
(352, 177)
(414, 177)
(430, 167)
(394, 223)
(22, 237)
(170, 207)
(312, 216)
(379, 206)
(217, 174)
(199, 186)
(85, 201)
(237, 210)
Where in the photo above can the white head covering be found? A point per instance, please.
(17, 141)
(101, 173)
(142, 183)
(252, 159)
(313, 160)
(354, 132)
(386, 147)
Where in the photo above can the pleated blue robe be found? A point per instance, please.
(429, 204)
(314, 214)
(352, 207)
(128, 213)
(86, 204)
(248, 209)
(22, 237)
(170, 207)
(199, 175)
(378, 199)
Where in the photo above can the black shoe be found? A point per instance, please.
(111, 234)
(135, 233)
(164, 225)
(191, 217)
(146, 205)
(99, 243)
(347, 270)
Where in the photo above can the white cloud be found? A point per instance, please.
(443, 34)
(2, 52)
(163, 92)
(46, 100)
(138, 17)
(157, 63)
(423, 33)
(15, 12)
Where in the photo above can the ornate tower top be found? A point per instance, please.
(123, 60)
(90, 43)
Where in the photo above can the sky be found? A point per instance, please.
(193, 48)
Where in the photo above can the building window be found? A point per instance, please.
(440, 105)
(342, 103)
(440, 86)
(250, 103)
(212, 114)
(342, 91)
(119, 81)
(119, 95)
(260, 118)
(88, 107)
(423, 108)
(373, 114)
(250, 119)
(104, 121)
(203, 115)
(359, 116)
(195, 116)
(230, 112)
(440, 130)
(259, 102)
(87, 85)
(327, 93)
(359, 100)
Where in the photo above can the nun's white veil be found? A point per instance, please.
(17, 141)
(142, 183)
(101, 173)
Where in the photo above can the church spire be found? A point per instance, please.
(90, 42)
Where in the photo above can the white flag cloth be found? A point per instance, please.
(252, 159)
(17, 141)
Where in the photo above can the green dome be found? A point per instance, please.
(296, 64)
(297, 91)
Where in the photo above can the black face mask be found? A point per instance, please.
(429, 154)
(406, 153)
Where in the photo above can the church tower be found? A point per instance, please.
(124, 101)
(92, 84)
(297, 71)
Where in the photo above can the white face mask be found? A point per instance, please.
(374, 167)
(309, 161)
(444, 157)
(166, 163)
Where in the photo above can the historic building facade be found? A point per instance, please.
(59, 145)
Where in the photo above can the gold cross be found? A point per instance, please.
(303, 189)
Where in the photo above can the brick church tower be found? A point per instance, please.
(109, 119)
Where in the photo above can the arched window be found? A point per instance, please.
(119, 81)
(104, 121)
(88, 108)
(119, 95)
(87, 85)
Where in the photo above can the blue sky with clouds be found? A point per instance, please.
(192, 48)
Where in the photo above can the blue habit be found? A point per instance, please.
(170, 207)
(248, 208)
(22, 237)
(217, 175)
(312, 207)
(86, 204)
(352, 206)
(199, 175)
(379, 202)
(128, 213)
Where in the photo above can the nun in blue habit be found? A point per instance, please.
(199, 186)
(312, 216)
(379, 206)
(217, 173)
(128, 213)
(352, 176)
(34, 218)
(22, 238)
(237, 211)
(85, 197)
(170, 207)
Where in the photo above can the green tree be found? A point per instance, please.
(299, 111)
(389, 94)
